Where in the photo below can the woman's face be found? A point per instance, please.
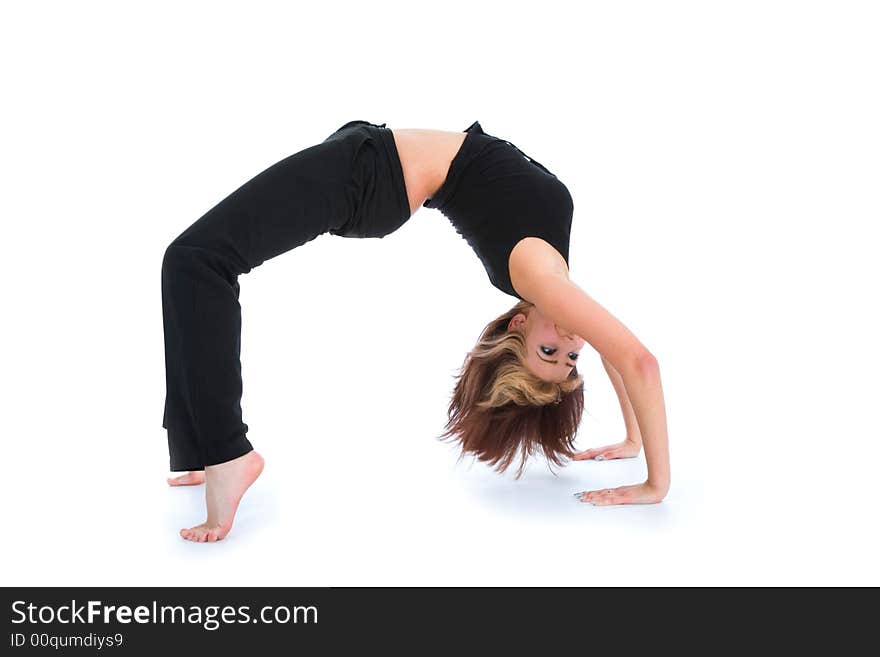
(551, 350)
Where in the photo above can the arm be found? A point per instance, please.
(633, 434)
(629, 446)
(569, 306)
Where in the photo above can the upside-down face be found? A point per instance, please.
(551, 351)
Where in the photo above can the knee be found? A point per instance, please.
(186, 257)
(182, 261)
(175, 255)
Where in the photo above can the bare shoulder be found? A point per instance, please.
(531, 261)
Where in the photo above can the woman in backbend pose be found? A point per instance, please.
(519, 390)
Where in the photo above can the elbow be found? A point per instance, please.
(643, 365)
(647, 362)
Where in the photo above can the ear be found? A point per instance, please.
(517, 321)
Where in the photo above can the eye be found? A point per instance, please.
(572, 355)
(549, 351)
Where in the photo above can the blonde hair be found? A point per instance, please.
(500, 408)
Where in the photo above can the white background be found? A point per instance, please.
(723, 160)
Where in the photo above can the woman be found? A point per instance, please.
(519, 390)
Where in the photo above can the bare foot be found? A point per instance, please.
(226, 484)
(193, 478)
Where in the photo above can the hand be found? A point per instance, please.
(622, 450)
(636, 494)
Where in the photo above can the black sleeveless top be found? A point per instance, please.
(495, 195)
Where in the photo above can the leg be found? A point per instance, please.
(285, 206)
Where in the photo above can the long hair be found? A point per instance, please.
(499, 408)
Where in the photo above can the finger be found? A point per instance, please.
(592, 495)
(584, 496)
(586, 454)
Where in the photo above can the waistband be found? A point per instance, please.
(386, 138)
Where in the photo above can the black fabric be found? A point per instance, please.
(350, 185)
(495, 195)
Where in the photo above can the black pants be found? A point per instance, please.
(350, 185)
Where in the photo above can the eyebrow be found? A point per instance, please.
(549, 361)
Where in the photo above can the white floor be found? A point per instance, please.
(340, 511)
